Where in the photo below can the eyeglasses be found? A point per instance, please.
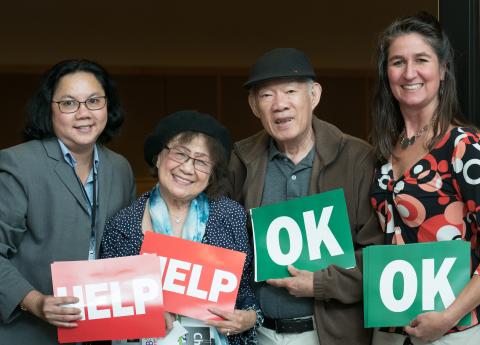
(69, 106)
(181, 157)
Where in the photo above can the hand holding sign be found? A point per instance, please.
(234, 322)
(169, 320)
(430, 326)
(300, 284)
(118, 298)
(52, 309)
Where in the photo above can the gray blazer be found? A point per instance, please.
(44, 218)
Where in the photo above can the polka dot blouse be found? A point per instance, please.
(226, 228)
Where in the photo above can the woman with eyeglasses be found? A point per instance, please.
(57, 190)
(189, 153)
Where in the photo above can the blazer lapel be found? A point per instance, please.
(64, 171)
(105, 172)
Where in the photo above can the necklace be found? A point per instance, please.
(405, 141)
(178, 220)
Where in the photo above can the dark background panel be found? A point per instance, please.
(235, 111)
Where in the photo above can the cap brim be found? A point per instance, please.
(250, 83)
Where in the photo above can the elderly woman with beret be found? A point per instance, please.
(189, 153)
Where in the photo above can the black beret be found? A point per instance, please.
(278, 64)
(185, 121)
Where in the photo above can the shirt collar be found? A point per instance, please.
(274, 153)
(67, 155)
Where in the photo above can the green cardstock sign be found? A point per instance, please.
(310, 233)
(403, 281)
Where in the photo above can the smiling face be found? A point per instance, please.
(181, 181)
(79, 130)
(414, 73)
(285, 108)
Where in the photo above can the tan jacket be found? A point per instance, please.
(341, 161)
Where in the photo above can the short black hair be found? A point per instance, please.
(39, 112)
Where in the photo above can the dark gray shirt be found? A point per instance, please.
(284, 181)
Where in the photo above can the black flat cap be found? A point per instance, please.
(185, 121)
(278, 64)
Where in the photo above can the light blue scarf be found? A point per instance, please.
(193, 228)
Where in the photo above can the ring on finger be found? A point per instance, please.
(228, 332)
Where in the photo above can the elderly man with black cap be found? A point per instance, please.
(189, 153)
(297, 155)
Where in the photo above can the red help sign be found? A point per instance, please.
(121, 298)
(196, 276)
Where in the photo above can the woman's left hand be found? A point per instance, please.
(430, 326)
(234, 322)
(433, 325)
(169, 319)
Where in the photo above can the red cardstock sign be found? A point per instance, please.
(196, 276)
(120, 298)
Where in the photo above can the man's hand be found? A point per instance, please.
(300, 284)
